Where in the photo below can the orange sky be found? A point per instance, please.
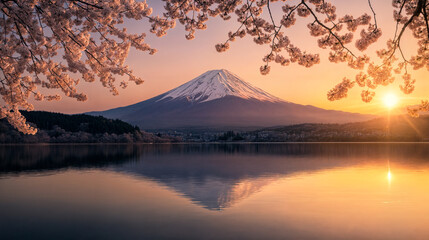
(179, 60)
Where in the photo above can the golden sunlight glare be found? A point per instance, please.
(390, 100)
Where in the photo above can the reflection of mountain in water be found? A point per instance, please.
(216, 193)
(240, 191)
(213, 176)
(219, 176)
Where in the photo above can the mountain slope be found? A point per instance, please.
(220, 99)
(218, 84)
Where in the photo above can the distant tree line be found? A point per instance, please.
(79, 128)
(401, 128)
(230, 136)
(78, 122)
(397, 128)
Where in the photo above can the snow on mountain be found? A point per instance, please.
(218, 84)
(219, 99)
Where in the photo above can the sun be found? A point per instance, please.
(390, 100)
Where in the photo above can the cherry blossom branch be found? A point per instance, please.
(373, 13)
(329, 29)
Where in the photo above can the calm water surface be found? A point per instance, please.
(242, 191)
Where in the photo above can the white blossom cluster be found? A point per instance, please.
(44, 42)
(340, 90)
(415, 110)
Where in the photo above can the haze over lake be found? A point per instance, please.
(215, 191)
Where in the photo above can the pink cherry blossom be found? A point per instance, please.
(56, 44)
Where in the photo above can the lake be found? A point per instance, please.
(215, 191)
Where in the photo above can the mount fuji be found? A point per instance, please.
(219, 99)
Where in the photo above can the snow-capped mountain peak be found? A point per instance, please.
(216, 84)
(219, 99)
